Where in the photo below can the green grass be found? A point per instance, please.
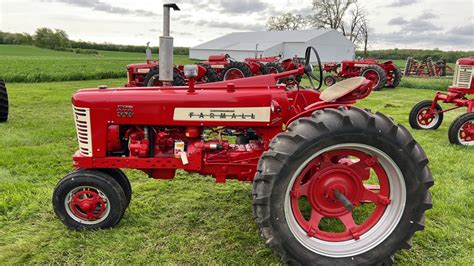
(190, 219)
(22, 63)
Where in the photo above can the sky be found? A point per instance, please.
(427, 24)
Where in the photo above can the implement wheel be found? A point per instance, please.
(344, 186)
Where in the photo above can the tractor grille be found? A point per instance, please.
(83, 130)
(463, 76)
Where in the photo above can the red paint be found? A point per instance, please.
(331, 172)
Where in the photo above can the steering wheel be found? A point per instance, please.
(308, 68)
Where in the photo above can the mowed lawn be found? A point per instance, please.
(22, 63)
(190, 219)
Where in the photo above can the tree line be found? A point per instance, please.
(418, 54)
(59, 40)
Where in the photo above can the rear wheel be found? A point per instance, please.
(3, 102)
(423, 117)
(376, 74)
(461, 131)
(89, 199)
(263, 69)
(236, 70)
(211, 74)
(396, 77)
(152, 79)
(274, 68)
(344, 186)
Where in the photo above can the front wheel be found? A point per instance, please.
(89, 199)
(461, 131)
(329, 81)
(423, 117)
(344, 186)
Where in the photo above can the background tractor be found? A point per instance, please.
(3, 102)
(429, 114)
(333, 163)
(385, 74)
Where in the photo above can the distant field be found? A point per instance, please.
(20, 63)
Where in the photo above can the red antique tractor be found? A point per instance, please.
(429, 114)
(3, 102)
(385, 74)
(313, 158)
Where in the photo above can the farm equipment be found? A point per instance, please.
(313, 158)
(426, 68)
(429, 114)
(3, 102)
(381, 74)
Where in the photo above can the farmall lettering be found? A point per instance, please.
(247, 114)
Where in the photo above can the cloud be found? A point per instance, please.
(398, 21)
(228, 25)
(466, 30)
(242, 6)
(402, 2)
(416, 25)
(427, 15)
(104, 7)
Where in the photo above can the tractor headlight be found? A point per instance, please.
(190, 71)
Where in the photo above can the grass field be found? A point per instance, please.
(190, 219)
(31, 64)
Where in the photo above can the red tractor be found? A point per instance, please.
(147, 74)
(3, 102)
(313, 158)
(382, 75)
(429, 114)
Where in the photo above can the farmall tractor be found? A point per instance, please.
(3, 102)
(429, 114)
(313, 158)
(385, 74)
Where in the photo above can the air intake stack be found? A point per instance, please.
(166, 46)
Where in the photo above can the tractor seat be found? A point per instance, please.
(342, 88)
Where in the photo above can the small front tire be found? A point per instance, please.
(422, 117)
(461, 131)
(89, 199)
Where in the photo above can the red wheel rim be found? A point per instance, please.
(330, 81)
(344, 171)
(154, 81)
(426, 118)
(372, 76)
(466, 133)
(87, 205)
(233, 73)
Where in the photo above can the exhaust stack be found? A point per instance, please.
(166, 46)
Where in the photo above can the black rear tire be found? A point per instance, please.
(419, 107)
(456, 126)
(274, 67)
(396, 77)
(152, 79)
(236, 66)
(325, 129)
(263, 69)
(211, 74)
(3, 102)
(382, 76)
(101, 184)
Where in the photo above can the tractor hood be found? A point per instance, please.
(249, 106)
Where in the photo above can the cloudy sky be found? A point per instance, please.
(443, 24)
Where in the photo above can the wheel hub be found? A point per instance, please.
(87, 205)
(325, 183)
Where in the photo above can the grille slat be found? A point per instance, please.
(463, 76)
(83, 130)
